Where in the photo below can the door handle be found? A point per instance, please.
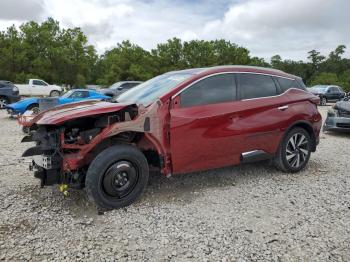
(282, 108)
(235, 118)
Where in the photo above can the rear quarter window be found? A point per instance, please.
(286, 84)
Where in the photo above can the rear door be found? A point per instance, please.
(202, 131)
(263, 112)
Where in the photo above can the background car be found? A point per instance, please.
(8, 93)
(69, 97)
(338, 118)
(38, 87)
(328, 93)
(118, 88)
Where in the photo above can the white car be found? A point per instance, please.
(38, 87)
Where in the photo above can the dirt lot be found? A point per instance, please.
(244, 213)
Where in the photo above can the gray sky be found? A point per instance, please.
(290, 28)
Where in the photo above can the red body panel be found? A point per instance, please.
(212, 136)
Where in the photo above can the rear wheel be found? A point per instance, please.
(3, 102)
(117, 177)
(323, 101)
(34, 108)
(54, 93)
(294, 151)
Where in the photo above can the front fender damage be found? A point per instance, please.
(71, 149)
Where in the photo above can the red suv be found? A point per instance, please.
(179, 122)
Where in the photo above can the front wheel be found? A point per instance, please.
(54, 93)
(323, 101)
(3, 102)
(117, 177)
(294, 151)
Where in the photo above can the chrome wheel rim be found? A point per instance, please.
(35, 110)
(324, 101)
(297, 150)
(2, 103)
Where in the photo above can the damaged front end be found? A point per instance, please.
(49, 156)
(338, 118)
(64, 149)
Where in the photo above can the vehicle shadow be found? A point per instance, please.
(179, 189)
(186, 187)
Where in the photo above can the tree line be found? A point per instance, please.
(63, 56)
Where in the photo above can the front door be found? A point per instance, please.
(202, 125)
(39, 88)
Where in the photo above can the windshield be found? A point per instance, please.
(149, 91)
(319, 88)
(115, 86)
(67, 94)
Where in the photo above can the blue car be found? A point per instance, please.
(71, 96)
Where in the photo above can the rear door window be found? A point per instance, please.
(256, 86)
(212, 90)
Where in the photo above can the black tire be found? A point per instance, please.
(3, 102)
(26, 129)
(34, 108)
(104, 171)
(54, 93)
(284, 157)
(323, 101)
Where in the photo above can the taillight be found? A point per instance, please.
(15, 89)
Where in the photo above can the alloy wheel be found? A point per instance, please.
(3, 103)
(297, 150)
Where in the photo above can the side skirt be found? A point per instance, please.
(255, 156)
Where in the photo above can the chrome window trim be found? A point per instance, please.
(221, 73)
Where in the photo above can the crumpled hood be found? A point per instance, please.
(343, 106)
(60, 114)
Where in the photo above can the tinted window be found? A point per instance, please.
(254, 86)
(333, 89)
(286, 84)
(212, 90)
(38, 83)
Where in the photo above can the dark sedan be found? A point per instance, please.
(328, 93)
(8, 93)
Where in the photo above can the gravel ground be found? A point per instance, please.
(244, 213)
